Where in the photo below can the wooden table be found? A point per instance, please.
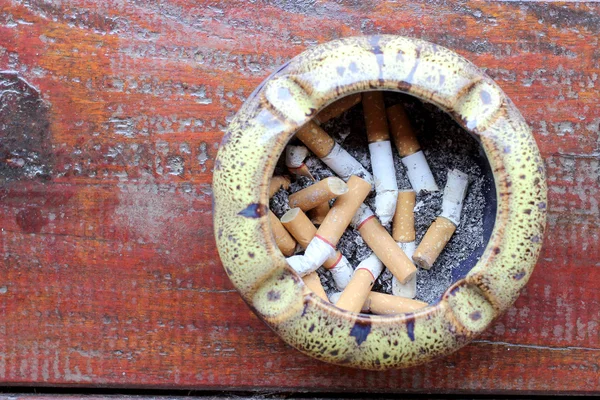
(109, 273)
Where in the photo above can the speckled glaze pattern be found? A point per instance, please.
(255, 140)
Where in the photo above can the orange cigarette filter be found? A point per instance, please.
(318, 193)
(317, 215)
(337, 108)
(301, 171)
(403, 228)
(357, 291)
(316, 139)
(434, 241)
(284, 240)
(375, 117)
(298, 224)
(385, 248)
(343, 210)
(313, 282)
(382, 304)
(401, 131)
(278, 182)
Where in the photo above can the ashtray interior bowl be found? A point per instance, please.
(288, 99)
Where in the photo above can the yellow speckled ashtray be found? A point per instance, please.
(291, 97)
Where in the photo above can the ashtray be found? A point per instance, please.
(294, 98)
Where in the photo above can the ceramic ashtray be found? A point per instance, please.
(272, 259)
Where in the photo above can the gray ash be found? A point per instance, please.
(279, 203)
(327, 280)
(317, 168)
(446, 146)
(353, 247)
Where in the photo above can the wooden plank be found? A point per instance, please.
(109, 273)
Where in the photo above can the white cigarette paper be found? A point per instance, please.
(344, 165)
(315, 255)
(454, 194)
(295, 156)
(372, 264)
(386, 185)
(334, 297)
(342, 273)
(408, 289)
(362, 214)
(418, 172)
(408, 248)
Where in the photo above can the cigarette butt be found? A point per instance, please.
(375, 117)
(313, 282)
(337, 108)
(383, 245)
(401, 131)
(418, 172)
(454, 195)
(316, 139)
(404, 137)
(408, 289)
(318, 193)
(331, 153)
(382, 304)
(343, 210)
(316, 253)
(278, 182)
(300, 227)
(294, 161)
(434, 241)
(344, 165)
(357, 291)
(317, 215)
(355, 294)
(403, 227)
(284, 241)
(386, 186)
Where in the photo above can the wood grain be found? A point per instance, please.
(109, 273)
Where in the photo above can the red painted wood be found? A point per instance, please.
(109, 273)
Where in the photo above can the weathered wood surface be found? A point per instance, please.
(109, 271)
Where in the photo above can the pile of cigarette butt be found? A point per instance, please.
(320, 213)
